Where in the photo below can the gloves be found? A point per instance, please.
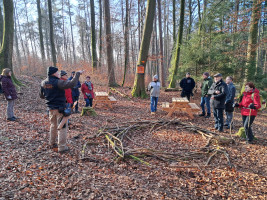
(252, 106)
(236, 105)
(9, 97)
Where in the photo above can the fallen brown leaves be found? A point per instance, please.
(30, 170)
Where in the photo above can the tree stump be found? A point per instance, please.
(88, 111)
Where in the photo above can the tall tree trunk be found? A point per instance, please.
(190, 19)
(40, 31)
(139, 83)
(110, 61)
(53, 49)
(1, 26)
(17, 45)
(100, 32)
(174, 20)
(72, 40)
(178, 46)
(8, 36)
(252, 41)
(126, 42)
(93, 35)
(162, 69)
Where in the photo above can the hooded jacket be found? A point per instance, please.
(8, 87)
(187, 84)
(206, 84)
(250, 97)
(85, 89)
(154, 88)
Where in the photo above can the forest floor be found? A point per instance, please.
(29, 169)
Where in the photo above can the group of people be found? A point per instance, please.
(61, 92)
(221, 96)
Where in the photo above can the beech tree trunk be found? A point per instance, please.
(53, 49)
(40, 31)
(93, 35)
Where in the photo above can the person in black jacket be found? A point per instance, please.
(218, 93)
(53, 91)
(75, 92)
(187, 84)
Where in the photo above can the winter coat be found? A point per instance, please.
(205, 86)
(68, 94)
(187, 84)
(53, 90)
(248, 98)
(8, 87)
(154, 88)
(219, 99)
(75, 89)
(230, 98)
(85, 90)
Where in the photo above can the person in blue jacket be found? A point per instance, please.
(75, 92)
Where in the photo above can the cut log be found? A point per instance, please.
(88, 111)
(172, 89)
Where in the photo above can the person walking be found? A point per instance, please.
(219, 92)
(187, 84)
(230, 98)
(75, 92)
(154, 88)
(249, 105)
(53, 91)
(205, 97)
(10, 93)
(88, 92)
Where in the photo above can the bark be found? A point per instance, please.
(72, 40)
(53, 49)
(110, 61)
(17, 45)
(93, 35)
(178, 46)
(252, 41)
(174, 19)
(100, 32)
(162, 69)
(40, 31)
(139, 83)
(1, 26)
(126, 42)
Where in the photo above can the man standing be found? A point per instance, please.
(75, 92)
(229, 101)
(187, 84)
(53, 91)
(205, 97)
(219, 92)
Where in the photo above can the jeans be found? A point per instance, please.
(218, 117)
(153, 103)
(205, 100)
(247, 126)
(88, 102)
(75, 99)
(229, 117)
(10, 108)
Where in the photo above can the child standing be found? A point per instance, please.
(154, 88)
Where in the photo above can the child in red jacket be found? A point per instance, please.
(88, 92)
(68, 93)
(249, 105)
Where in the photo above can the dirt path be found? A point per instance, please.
(30, 170)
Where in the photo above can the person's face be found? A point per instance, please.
(57, 74)
(228, 80)
(87, 79)
(10, 73)
(187, 75)
(155, 79)
(218, 78)
(247, 88)
(204, 76)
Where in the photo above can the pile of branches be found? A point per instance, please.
(117, 136)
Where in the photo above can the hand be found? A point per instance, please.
(81, 71)
(217, 92)
(236, 104)
(9, 97)
(212, 97)
(252, 106)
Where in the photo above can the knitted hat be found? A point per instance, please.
(51, 70)
(88, 77)
(62, 73)
(6, 71)
(187, 73)
(156, 77)
(206, 73)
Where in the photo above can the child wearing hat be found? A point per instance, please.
(154, 88)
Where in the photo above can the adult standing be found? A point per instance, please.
(88, 92)
(219, 92)
(205, 97)
(230, 98)
(187, 84)
(10, 93)
(75, 92)
(68, 92)
(53, 91)
(249, 107)
(154, 88)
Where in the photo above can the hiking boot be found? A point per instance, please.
(11, 119)
(208, 116)
(202, 114)
(64, 150)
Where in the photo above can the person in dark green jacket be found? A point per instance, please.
(205, 97)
